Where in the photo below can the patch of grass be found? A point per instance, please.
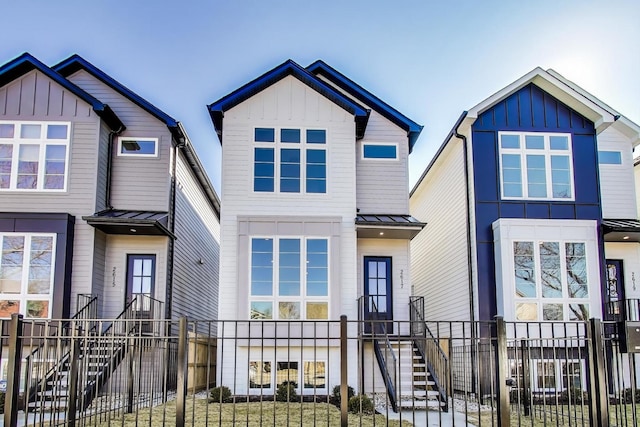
(201, 413)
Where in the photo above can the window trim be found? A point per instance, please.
(303, 298)
(522, 151)
(612, 164)
(42, 142)
(137, 138)
(303, 146)
(381, 159)
(23, 296)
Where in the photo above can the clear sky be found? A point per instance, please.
(430, 60)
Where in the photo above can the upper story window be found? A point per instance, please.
(550, 281)
(290, 160)
(34, 156)
(379, 151)
(138, 147)
(610, 157)
(289, 278)
(536, 166)
(26, 274)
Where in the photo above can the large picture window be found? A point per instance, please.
(289, 278)
(26, 274)
(550, 281)
(290, 160)
(536, 166)
(34, 156)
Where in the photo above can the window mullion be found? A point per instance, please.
(524, 171)
(13, 183)
(26, 259)
(538, 267)
(41, 163)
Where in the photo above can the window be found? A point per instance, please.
(314, 374)
(34, 156)
(610, 157)
(289, 160)
(289, 278)
(26, 274)
(550, 281)
(379, 151)
(536, 166)
(287, 372)
(260, 374)
(138, 147)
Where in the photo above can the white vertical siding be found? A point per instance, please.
(34, 96)
(287, 103)
(617, 183)
(115, 277)
(150, 174)
(439, 252)
(197, 228)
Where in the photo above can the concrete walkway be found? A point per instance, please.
(424, 418)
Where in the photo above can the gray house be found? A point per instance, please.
(102, 198)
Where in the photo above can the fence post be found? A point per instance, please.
(598, 405)
(74, 360)
(181, 389)
(525, 398)
(502, 373)
(13, 367)
(344, 394)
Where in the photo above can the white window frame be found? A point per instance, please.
(380, 159)
(565, 300)
(547, 152)
(326, 376)
(303, 299)
(24, 296)
(506, 231)
(42, 142)
(277, 146)
(137, 138)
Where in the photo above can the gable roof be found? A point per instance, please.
(352, 88)
(567, 92)
(75, 63)
(26, 63)
(287, 68)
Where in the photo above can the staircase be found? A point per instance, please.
(415, 387)
(78, 359)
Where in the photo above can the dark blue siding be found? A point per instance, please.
(529, 109)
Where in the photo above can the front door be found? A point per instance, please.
(377, 292)
(141, 274)
(614, 292)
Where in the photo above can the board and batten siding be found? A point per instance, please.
(115, 277)
(287, 103)
(439, 265)
(617, 183)
(138, 183)
(196, 249)
(35, 97)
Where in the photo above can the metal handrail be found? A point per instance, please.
(436, 360)
(385, 355)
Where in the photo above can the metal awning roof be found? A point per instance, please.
(121, 221)
(387, 226)
(621, 230)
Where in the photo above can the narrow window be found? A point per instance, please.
(610, 157)
(138, 147)
(379, 151)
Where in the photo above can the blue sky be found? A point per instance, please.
(430, 60)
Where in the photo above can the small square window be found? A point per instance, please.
(30, 131)
(289, 135)
(57, 132)
(6, 130)
(143, 147)
(316, 136)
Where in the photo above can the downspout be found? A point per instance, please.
(468, 225)
(180, 142)
(107, 195)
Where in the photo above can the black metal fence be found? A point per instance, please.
(162, 372)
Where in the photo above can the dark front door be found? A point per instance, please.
(141, 274)
(614, 291)
(377, 292)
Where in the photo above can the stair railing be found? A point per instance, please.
(436, 361)
(46, 350)
(385, 355)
